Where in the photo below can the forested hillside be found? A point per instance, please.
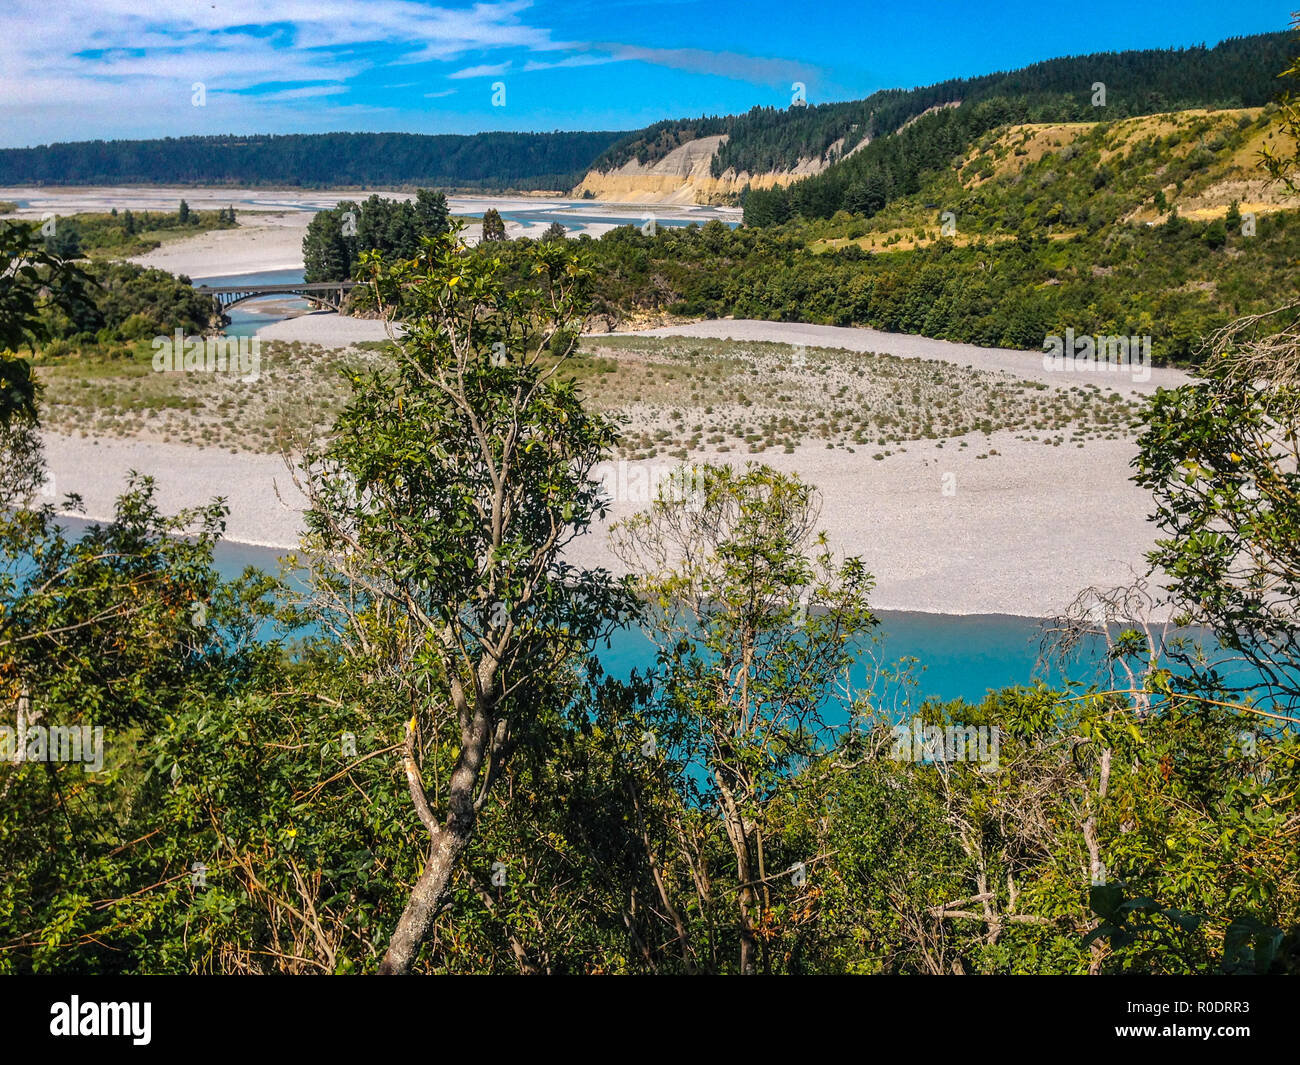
(1239, 72)
(909, 143)
(654, 142)
(485, 160)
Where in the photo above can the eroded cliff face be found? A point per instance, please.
(683, 176)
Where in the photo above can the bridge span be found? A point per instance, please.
(322, 293)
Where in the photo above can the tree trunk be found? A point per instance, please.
(446, 843)
(735, 825)
(427, 895)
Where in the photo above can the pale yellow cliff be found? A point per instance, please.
(683, 176)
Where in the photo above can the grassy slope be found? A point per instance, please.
(1046, 175)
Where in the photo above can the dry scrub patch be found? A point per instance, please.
(300, 389)
(681, 395)
(675, 395)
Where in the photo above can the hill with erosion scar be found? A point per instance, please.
(898, 132)
(685, 176)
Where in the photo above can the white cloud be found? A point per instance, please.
(90, 68)
(79, 69)
(303, 92)
(758, 70)
(485, 70)
(585, 60)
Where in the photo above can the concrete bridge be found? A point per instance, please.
(322, 293)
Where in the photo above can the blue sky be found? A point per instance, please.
(79, 69)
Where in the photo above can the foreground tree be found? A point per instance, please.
(441, 511)
(32, 280)
(1220, 456)
(755, 620)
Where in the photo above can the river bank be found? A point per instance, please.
(944, 530)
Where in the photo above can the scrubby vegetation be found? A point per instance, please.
(683, 397)
(113, 390)
(120, 235)
(674, 398)
(1173, 281)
